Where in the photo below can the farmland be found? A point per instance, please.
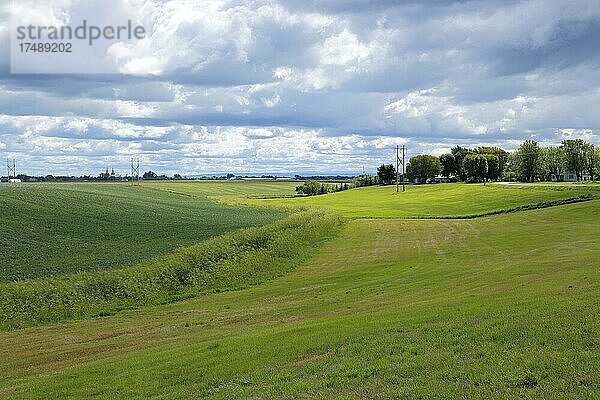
(54, 229)
(236, 189)
(502, 306)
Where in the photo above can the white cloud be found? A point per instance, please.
(584, 134)
(277, 84)
(271, 102)
(284, 73)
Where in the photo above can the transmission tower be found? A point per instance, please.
(400, 161)
(11, 169)
(135, 171)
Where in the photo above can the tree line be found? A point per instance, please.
(529, 163)
(315, 188)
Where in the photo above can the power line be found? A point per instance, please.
(373, 153)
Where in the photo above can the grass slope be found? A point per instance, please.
(55, 229)
(435, 201)
(497, 307)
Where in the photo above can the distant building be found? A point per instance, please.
(14, 180)
(444, 179)
(109, 176)
(572, 177)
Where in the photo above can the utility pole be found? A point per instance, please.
(397, 168)
(403, 169)
(398, 162)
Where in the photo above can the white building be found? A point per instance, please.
(572, 177)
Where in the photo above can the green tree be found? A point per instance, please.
(493, 167)
(475, 166)
(423, 167)
(511, 173)
(386, 173)
(528, 160)
(309, 188)
(459, 154)
(498, 152)
(597, 172)
(448, 164)
(591, 160)
(364, 180)
(149, 175)
(554, 162)
(575, 156)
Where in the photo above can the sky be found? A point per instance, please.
(306, 86)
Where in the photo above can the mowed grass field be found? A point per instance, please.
(58, 228)
(437, 201)
(505, 306)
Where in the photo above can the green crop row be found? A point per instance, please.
(232, 261)
(54, 229)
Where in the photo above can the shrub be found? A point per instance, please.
(364, 180)
(314, 188)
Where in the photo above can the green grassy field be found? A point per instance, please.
(504, 306)
(443, 200)
(54, 229)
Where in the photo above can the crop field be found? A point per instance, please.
(216, 189)
(54, 229)
(381, 306)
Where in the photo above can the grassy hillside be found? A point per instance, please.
(54, 229)
(444, 200)
(228, 262)
(496, 307)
